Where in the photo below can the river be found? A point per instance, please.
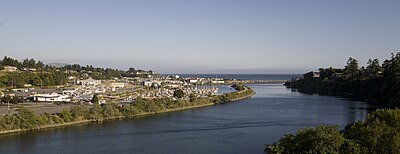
(239, 127)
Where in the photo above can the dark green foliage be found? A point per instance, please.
(80, 112)
(95, 112)
(111, 110)
(376, 84)
(380, 133)
(53, 76)
(27, 118)
(238, 87)
(179, 93)
(7, 61)
(66, 116)
(12, 100)
(322, 139)
(95, 99)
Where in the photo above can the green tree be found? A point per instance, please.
(27, 118)
(179, 93)
(373, 68)
(322, 139)
(95, 99)
(352, 68)
(80, 112)
(111, 110)
(66, 116)
(95, 112)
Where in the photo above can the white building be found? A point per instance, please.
(69, 92)
(20, 90)
(89, 82)
(218, 81)
(193, 80)
(10, 68)
(53, 97)
(117, 85)
(147, 83)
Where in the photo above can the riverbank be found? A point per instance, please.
(68, 115)
(112, 118)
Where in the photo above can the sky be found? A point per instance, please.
(203, 36)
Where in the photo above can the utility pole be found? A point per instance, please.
(8, 106)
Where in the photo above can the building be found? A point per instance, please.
(117, 85)
(316, 74)
(29, 69)
(218, 81)
(147, 83)
(89, 82)
(53, 97)
(193, 80)
(10, 68)
(70, 92)
(20, 90)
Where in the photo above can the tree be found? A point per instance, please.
(391, 80)
(95, 112)
(95, 99)
(131, 70)
(322, 139)
(373, 68)
(179, 93)
(27, 117)
(352, 68)
(111, 110)
(79, 112)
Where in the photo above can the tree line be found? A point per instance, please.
(376, 83)
(47, 75)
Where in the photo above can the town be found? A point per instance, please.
(83, 86)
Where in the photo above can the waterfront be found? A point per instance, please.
(241, 127)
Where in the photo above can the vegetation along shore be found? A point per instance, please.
(376, 84)
(27, 120)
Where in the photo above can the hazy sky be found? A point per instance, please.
(226, 36)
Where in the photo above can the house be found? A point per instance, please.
(10, 68)
(29, 69)
(218, 81)
(89, 82)
(117, 85)
(53, 97)
(316, 74)
(20, 90)
(70, 92)
(193, 80)
(147, 83)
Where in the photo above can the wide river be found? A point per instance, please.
(239, 127)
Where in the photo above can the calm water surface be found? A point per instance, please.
(240, 127)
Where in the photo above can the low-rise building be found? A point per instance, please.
(89, 82)
(10, 68)
(193, 80)
(117, 85)
(316, 74)
(53, 97)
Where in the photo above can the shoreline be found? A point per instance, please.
(140, 115)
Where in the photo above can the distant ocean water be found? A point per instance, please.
(243, 76)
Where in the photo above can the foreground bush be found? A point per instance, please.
(380, 133)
